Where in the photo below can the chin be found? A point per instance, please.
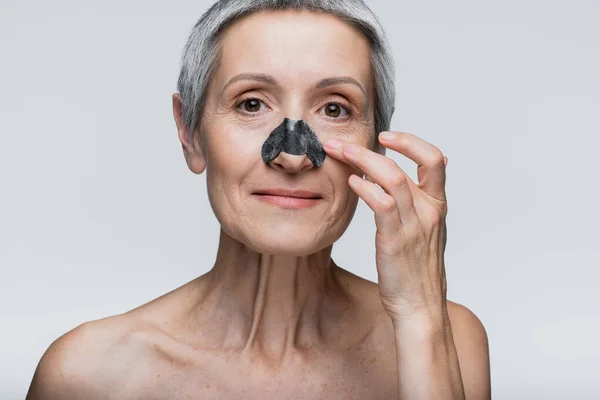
(287, 240)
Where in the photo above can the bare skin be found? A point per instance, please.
(152, 352)
(275, 317)
(353, 356)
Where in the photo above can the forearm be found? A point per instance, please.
(427, 360)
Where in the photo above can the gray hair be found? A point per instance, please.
(202, 50)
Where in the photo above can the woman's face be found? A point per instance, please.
(299, 52)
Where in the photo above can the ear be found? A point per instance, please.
(192, 151)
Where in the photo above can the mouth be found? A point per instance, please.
(289, 198)
(297, 194)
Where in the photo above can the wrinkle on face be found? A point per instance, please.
(273, 279)
(291, 64)
(275, 51)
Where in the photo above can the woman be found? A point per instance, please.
(286, 106)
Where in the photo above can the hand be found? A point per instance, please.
(410, 219)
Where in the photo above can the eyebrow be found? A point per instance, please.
(272, 81)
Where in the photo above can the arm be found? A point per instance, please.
(443, 358)
(410, 242)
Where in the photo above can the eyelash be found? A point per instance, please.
(348, 109)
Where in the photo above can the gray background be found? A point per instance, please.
(99, 213)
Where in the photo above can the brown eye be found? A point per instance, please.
(334, 110)
(251, 105)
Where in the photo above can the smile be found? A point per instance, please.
(288, 202)
(289, 198)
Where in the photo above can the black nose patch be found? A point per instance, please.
(294, 137)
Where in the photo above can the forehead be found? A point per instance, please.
(296, 46)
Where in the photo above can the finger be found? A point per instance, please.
(387, 217)
(367, 177)
(383, 171)
(334, 147)
(386, 173)
(336, 151)
(431, 168)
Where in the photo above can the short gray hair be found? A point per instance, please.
(202, 50)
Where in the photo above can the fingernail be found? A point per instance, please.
(333, 143)
(387, 135)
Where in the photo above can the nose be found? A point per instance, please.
(291, 163)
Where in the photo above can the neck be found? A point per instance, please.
(272, 305)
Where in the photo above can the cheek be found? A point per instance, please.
(233, 147)
(231, 156)
(338, 173)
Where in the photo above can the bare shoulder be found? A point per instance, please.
(86, 363)
(469, 336)
(472, 348)
(463, 320)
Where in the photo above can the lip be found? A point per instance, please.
(289, 198)
(300, 194)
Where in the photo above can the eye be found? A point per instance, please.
(334, 110)
(250, 105)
